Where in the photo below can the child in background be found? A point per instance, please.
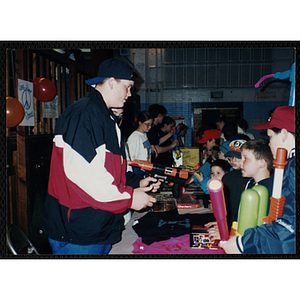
(167, 144)
(218, 169)
(138, 144)
(224, 148)
(158, 113)
(257, 161)
(182, 132)
(210, 139)
(234, 182)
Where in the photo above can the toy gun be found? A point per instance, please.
(253, 208)
(277, 201)
(172, 175)
(289, 74)
(216, 193)
(175, 137)
(254, 202)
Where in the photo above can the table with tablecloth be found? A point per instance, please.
(166, 232)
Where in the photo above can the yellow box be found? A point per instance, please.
(190, 156)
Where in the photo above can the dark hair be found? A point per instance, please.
(222, 163)
(215, 152)
(167, 120)
(229, 130)
(221, 119)
(182, 127)
(201, 130)
(156, 109)
(261, 150)
(278, 130)
(243, 124)
(144, 116)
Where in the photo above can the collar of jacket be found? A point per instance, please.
(97, 97)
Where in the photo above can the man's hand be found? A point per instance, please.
(154, 186)
(140, 199)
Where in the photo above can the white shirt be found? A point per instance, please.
(139, 146)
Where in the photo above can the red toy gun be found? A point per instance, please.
(171, 175)
(277, 201)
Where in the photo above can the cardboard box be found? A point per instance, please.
(190, 156)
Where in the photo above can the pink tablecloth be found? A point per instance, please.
(175, 245)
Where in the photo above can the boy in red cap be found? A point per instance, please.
(211, 138)
(278, 236)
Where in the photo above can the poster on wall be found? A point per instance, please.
(50, 109)
(25, 96)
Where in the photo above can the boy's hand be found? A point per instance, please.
(199, 176)
(230, 246)
(213, 231)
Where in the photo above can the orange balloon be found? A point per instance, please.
(44, 89)
(14, 112)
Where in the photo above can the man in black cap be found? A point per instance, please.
(89, 189)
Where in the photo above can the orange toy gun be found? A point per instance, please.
(277, 201)
(172, 175)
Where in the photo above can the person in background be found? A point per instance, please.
(138, 144)
(279, 236)
(158, 112)
(218, 169)
(242, 127)
(220, 122)
(234, 182)
(89, 188)
(211, 138)
(182, 132)
(230, 132)
(165, 155)
(224, 148)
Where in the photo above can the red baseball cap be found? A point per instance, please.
(283, 117)
(209, 134)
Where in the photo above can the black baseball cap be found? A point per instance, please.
(113, 67)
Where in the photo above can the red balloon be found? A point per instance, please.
(44, 89)
(14, 112)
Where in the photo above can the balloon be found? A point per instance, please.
(44, 89)
(14, 112)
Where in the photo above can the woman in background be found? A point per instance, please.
(138, 144)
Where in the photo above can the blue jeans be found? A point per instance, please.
(68, 248)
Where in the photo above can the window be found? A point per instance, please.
(194, 68)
